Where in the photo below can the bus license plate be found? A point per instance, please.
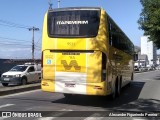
(70, 85)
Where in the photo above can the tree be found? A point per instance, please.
(149, 20)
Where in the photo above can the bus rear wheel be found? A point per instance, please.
(118, 88)
(113, 95)
(67, 95)
(116, 91)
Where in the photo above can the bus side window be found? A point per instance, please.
(114, 35)
(110, 40)
(115, 39)
(110, 33)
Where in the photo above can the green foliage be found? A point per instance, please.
(149, 20)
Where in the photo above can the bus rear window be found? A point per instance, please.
(73, 23)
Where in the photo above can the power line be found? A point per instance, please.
(39, 40)
(14, 45)
(18, 43)
(14, 25)
(11, 24)
(38, 46)
(12, 39)
(14, 42)
(10, 42)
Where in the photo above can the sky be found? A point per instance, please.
(16, 16)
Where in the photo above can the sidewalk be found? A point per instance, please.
(17, 89)
(143, 71)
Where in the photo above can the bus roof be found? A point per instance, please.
(75, 8)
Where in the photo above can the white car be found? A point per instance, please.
(21, 74)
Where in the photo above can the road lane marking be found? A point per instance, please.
(139, 119)
(28, 109)
(46, 118)
(95, 116)
(6, 105)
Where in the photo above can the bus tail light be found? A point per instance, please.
(45, 84)
(98, 87)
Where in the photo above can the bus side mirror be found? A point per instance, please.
(135, 56)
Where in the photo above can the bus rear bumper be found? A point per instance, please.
(99, 89)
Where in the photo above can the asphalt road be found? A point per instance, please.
(141, 96)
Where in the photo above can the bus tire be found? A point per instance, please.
(67, 95)
(118, 88)
(5, 84)
(113, 95)
(132, 77)
(23, 81)
(116, 91)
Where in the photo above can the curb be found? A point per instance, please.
(18, 89)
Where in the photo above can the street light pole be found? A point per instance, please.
(33, 29)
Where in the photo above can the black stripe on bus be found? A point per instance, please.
(72, 51)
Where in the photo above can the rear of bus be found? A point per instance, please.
(74, 51)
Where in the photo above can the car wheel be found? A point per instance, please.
(24, 81)
(5, 84)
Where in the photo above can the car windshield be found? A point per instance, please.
(19, 68)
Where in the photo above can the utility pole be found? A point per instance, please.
(33, 29)
(58, 3)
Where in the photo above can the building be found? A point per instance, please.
(4, 66)
(142, 61)
(137, 49)
(158, 59)
(148, 48)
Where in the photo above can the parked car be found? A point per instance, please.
(158, 67)
(22, 74)
(144, 69)
(136, 68)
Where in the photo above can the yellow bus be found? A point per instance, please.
(84, 52)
